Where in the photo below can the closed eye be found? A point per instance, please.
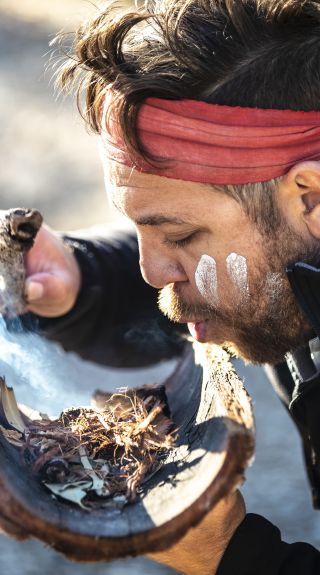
(179, 243)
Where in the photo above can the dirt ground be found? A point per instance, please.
(50, 162)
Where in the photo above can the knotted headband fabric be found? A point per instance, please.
(215, 144)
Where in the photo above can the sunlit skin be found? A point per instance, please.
(177, 222)
(167, 211)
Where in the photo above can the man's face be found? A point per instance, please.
(215, 270)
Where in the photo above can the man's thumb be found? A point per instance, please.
(34, 290)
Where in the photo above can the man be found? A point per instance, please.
(224, 192)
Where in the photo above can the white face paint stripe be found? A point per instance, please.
(238, 271)
(206, 279)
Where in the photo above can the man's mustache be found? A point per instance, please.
(173, 305)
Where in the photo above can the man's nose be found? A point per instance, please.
(159, 268)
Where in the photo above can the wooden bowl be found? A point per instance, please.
(215, 443)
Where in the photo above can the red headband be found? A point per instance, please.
(219, 144)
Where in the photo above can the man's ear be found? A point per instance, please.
(299, 192)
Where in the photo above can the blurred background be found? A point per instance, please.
(50, 162)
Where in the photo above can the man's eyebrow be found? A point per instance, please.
(158, 220)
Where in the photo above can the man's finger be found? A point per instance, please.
(49, 295)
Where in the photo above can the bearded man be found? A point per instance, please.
(209, 117)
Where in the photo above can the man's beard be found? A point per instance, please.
(268, 323)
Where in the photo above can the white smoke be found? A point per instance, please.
(49, 380)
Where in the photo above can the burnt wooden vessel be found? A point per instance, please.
(215, 442)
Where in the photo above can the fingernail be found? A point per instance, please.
(34, 291)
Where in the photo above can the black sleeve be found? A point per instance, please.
(116, 320)
(256, 548)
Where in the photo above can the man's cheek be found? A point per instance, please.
(237, 269)
(214, 288)
(206, 279)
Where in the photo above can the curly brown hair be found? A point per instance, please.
(251, 53)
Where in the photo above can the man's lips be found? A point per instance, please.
(198, 330)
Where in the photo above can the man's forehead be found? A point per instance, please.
(150, 199)
(124, 177)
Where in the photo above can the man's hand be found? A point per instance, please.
(53, 276)
(200, 551)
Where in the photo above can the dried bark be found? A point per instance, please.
(96, 457)
(18, 229)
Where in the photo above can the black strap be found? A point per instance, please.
(305, 283)
(305, 408)
(304, 365)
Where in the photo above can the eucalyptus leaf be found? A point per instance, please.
(84, 458)
(97, 482)
(72, 492)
